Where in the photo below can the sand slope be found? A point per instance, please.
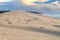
(21, 25)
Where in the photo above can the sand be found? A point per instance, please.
(21, 25)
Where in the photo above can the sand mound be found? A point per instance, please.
(21, 25)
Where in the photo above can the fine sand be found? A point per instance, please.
(21, 25)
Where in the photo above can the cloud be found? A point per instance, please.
(31, 2)
(44, 8)
(47, 9)
(28, 2)
(57, 3)
(43, 0)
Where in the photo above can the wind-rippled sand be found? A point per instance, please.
(21, 25)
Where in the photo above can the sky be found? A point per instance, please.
(5, 0)
(46, 7)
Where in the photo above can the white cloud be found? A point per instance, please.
(43, 0)
(57, 3)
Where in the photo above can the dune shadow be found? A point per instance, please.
(57, 26)
(37, 29)
(46, 31)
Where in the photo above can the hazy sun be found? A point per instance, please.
(28, 2)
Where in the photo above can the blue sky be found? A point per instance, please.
(49, 7)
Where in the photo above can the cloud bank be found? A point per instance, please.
(57, 3)
(49, 8)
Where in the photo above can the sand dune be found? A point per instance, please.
(21, 25)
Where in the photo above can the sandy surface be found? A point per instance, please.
(21, 25)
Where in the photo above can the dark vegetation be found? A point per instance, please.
(27, 20)
(9, 22)
(4, 11)
(57, 26)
